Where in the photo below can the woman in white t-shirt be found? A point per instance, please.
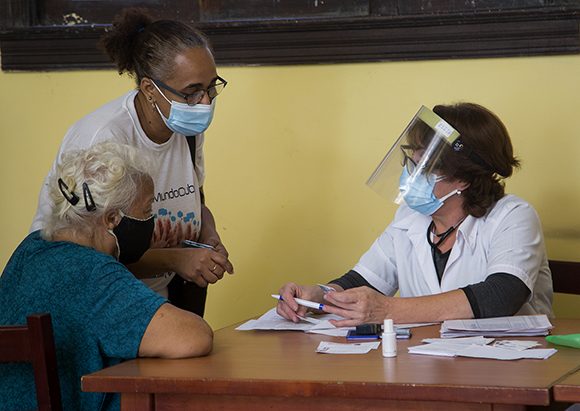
(177, 85)
(458, 247)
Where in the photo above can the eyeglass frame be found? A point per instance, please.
(184, 96)
(407, 158)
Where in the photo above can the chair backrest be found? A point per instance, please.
(34, 343)
(565, 276)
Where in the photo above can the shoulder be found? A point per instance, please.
(113, 120)
(511, 206)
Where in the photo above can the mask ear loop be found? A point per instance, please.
(454, 192)
(71, 197)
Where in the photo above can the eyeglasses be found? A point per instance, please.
(408, 161)
(195, 97)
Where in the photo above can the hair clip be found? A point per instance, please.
(71, 197)
(458, 144)
(89, 202)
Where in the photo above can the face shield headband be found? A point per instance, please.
(416, 154)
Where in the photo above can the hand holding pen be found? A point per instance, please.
(294, 300)
(202, 265)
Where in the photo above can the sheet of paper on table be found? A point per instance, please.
(519, 325)
(477, 347)
(326, 347)
(316, 324)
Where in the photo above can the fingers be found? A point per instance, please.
(221, 249)
(221, 263)
(288, 308)
(351, 318)
(202, 266)
(343, 298)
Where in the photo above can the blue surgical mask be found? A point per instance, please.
(418, 194)
(185, 119)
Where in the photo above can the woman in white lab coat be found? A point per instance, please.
(458, 246)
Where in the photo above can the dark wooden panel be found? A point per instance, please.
(415, 7)
(384, 7)
(17, 13)
(231, 10)
(565, 276)
(67, 12)
(523, 32)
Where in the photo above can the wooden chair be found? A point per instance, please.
(565, 276)
(34, 343)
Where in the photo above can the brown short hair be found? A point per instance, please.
(483, 158)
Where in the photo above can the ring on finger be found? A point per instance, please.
(213, 269)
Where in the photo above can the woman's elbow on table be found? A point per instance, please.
(175, 333)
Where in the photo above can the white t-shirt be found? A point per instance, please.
(508, 239)
(176, 205)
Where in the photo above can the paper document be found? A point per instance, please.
(443, 349)
(320, 324)
(413, 325)
(336, 348)
(523, 325)
(477, 347)
(460, 340)
(495, 353)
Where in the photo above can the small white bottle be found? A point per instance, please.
(389, 339)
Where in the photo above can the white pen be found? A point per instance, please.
(300, 301)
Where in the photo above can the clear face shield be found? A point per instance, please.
(412, 162)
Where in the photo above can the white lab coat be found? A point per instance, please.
(508, 239)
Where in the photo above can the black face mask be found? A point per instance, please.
(133, 237)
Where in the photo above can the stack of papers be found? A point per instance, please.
(524, 325)
(477, 347)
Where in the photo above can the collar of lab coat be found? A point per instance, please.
(416, 225)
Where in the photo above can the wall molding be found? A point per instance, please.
(528, 32)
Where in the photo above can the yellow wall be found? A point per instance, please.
(290, 150)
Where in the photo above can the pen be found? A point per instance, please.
(326, 289)
(300, 301)
(195, 244)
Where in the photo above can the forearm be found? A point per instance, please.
(208, 228)
(364, 305)
(501, 294)
(439, 307)
(352, 279)
(155, 262)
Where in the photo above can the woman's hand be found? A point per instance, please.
(358, 306)
(288, 308)
(208, 235)
(219, 247)
(201, 265)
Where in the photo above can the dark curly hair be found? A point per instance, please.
(483, 159)
(143, 47)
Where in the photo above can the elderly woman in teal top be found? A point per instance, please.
(101, 313)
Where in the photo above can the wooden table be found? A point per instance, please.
(267, 370)
(568, 390)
